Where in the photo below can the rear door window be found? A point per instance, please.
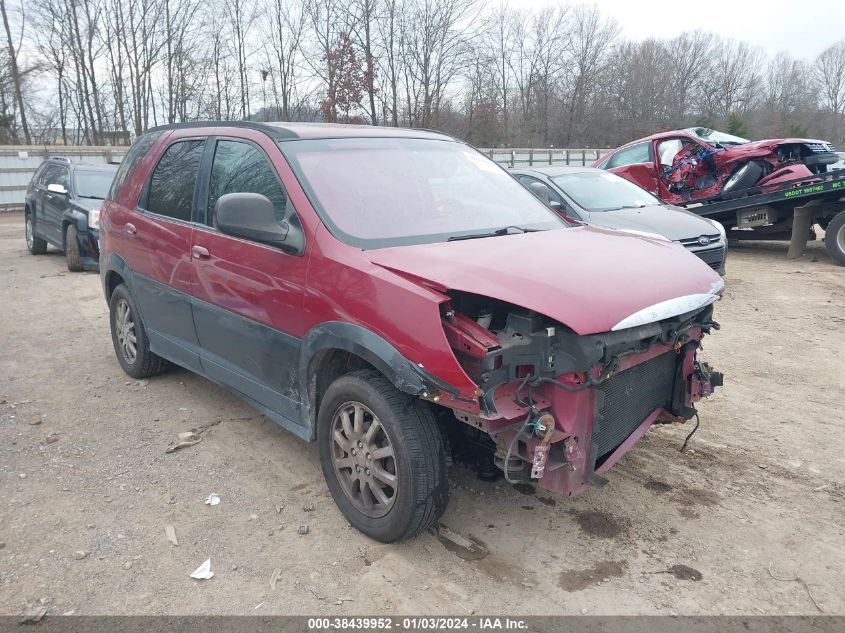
(639, 153)
(240, 167)
(171, 188)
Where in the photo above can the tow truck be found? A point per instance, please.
(788, 210)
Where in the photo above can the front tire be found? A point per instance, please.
(383, 457)
(744, 177)
(35, 245)
(74, 263)
(129, 337)
(834, 238)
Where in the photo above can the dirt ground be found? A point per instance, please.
(750, 520)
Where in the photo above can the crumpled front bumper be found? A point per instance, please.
(595, 427)
(89, 249)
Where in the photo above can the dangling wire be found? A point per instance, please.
(695, 428)
(528, 421)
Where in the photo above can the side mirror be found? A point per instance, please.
(55, 187)
(251, 217)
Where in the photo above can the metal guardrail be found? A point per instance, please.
(19, 162)
(531, 156)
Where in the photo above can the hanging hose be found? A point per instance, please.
(695, 428)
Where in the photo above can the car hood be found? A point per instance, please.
(590, 279)
(88, 204)
(671, 222)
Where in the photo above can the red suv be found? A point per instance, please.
(388, 292)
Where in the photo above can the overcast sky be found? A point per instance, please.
(802, 29)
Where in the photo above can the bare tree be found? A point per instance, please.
(13, 64)
(591, 37)
(285, 28)
(830, 75)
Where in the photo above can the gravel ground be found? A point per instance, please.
(750, 520)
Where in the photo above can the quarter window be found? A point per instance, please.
(639, 153)
(243, 168)
(138, 150)
(171, 191)
(553, 195)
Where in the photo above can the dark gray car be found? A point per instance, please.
(63, 209)
(603, 199)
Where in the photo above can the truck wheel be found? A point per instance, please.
(35, 245)
(130, 338)
(834, 238)
(72, 249)
(744, 176)
(383, 457)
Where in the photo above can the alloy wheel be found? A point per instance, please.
(364, 460)
(125, 329)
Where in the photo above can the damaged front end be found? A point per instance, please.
(562, 408)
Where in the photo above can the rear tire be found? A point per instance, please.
(74, 264)
(34, 244)
(834, 238)
(131, 345)
(387, 468)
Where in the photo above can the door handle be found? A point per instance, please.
(200, 252)
(130, 229)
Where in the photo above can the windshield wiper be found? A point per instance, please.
(502, 231)
(91, 197)
(627, 206)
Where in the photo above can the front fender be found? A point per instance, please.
(77, 217)
(368, 345)
(371, 347)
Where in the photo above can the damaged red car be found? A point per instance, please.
(397, 297)
(702, 164)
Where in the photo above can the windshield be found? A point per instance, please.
(712, 136)
(380, 192)
(602, 191)
(93, 184)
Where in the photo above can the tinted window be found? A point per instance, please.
(172, 185)
(639, 153)
(243, 168)
(136, 153)
(56, 175)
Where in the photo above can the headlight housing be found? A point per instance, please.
(718, 226)
(94, 219)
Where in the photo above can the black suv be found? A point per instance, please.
(63, 209)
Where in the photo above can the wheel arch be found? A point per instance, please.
(333, 349)
(116, 273)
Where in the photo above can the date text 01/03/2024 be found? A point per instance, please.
(418, 623)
